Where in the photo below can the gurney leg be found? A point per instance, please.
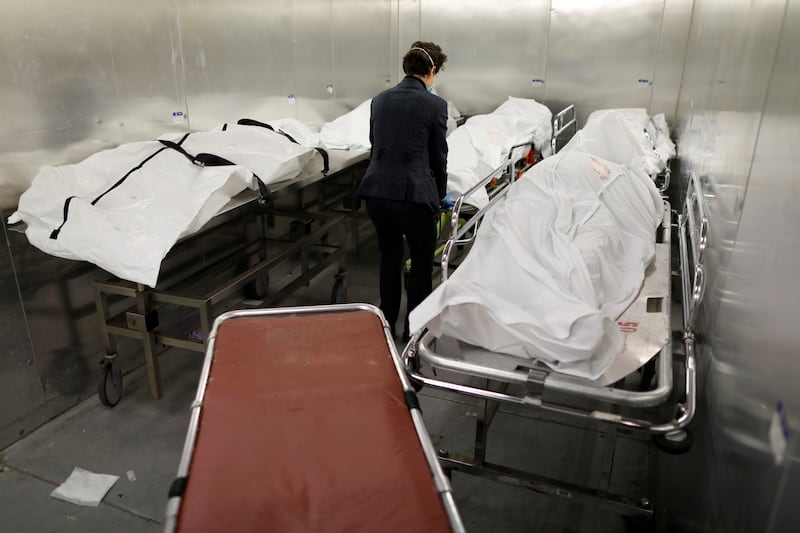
(648, 373)
(149, 344)
(153, 373)
(339, 290)
(487, 410)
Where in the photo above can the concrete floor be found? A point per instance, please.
(140, 440)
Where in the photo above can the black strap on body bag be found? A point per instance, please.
(321, 151)
(265, 200)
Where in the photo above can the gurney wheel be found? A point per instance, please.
(676, 442)
(339, 291)
(110, 389)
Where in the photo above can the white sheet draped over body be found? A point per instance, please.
(482, 144)
(627, 136)
(553, 265)
(129, 230)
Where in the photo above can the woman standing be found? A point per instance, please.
(407, 177)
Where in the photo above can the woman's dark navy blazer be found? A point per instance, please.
(408, 133)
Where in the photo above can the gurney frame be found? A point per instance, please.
(310, 206)
(528, 384)
(439, 479)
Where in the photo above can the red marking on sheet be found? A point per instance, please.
(628, 327)
(600, 169)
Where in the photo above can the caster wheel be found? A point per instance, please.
(676, 442)
(110, 388)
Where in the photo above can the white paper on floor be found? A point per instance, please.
(84, 488)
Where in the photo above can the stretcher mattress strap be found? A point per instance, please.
(253, 122)
(178, 487)
(55, 232)
(412, 401)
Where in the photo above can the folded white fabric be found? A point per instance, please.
(83, 487)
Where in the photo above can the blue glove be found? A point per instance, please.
(445, 204)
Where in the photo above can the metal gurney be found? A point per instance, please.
(480, 145)
(305, 230)
(294, 415)
(663, 408)
(239, 201)
(528, 139)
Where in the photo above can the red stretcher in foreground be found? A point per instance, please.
(305, 420)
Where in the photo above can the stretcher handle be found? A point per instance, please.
(561, 124)
(459, 228)
(667, 175)
(520, 145)
(698, 285)
(647, 133)
(495, 174)
(695, 211)
(693, 237)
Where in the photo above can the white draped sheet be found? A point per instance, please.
(474, 150)
(554, 264)
(627, 136)
(482, 144)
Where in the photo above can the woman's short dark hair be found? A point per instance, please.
(421, 57)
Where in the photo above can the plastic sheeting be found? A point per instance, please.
(554, 264)
(127, 229)
(349, 131)
(483, 142)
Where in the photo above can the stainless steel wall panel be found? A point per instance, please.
(702, 56)
(740, 127)
(362, 49)
(409, 13)
(239, 60)
(673, 38)
(19, 376)
(736, 90)
(494, 49)
(602, 54)
(313, 60)
(755, 334)
(80, 77)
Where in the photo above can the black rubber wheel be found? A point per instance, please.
(339, 290)
(258, 288)
(110, 389)
(676, 443)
